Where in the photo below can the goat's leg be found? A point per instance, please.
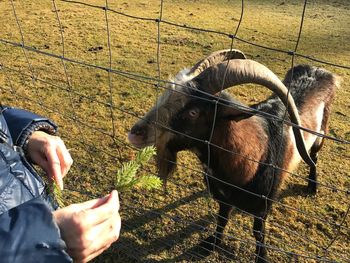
(312, 184)
(316, 147)
(224, 213)
(214, 240)
(259, 234)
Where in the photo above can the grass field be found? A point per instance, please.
(159, 227)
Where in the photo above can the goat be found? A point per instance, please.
(240, 147)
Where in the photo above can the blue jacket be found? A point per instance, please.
(28, 232)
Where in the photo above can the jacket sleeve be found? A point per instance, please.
(22, 124)
(28, 233)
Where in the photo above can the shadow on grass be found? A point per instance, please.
(128, 250)
(198, 253)
(145, 245)
(146, 248)
(146, 216)
(295, 190)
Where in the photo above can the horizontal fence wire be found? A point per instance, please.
(231, 36)
(183, 202)
(309, 215)
(146, 79)
(103, 132)
(326, 186)
(161, 85)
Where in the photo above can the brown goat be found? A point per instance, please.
(245, 151)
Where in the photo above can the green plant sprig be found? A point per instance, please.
(126, 177)
(55, 192)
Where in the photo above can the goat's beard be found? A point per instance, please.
(166, 163)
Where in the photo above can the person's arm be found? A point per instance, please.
(22, 124)
(87, 228)
(34, 134)
(28, 233)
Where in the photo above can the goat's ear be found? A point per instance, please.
(234, 114)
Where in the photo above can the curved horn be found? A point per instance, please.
(215, 58)
(234, 72)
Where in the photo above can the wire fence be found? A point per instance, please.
(167, 226)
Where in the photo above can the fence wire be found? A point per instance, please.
(138, 242)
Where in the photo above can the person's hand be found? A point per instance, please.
(50, 153)
(89, 228)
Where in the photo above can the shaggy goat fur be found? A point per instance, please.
(248, 154)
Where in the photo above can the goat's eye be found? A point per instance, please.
(193, 113)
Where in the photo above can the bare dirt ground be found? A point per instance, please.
(159, 227)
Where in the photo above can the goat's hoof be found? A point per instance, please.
(261, 255)
(209, 243)
(312, 188)
(206, 247)
(261, 259)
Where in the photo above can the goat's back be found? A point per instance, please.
(313, 90)
(306, 82)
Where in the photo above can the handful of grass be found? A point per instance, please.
(127, 178)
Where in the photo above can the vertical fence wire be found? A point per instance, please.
(70, 88)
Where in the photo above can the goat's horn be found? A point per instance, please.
(237, 71)
(215, 58)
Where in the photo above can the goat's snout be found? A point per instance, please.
(138, 131)
(137, 136)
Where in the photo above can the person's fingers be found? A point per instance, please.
(96, 253)
(101, 211)
(51, 154)
(82, 259)
(91, 227)
(40, 159)
(53, 167)
(115, 199)
(50, 163)
(91, 204)
(98, 240)
(112, 199)
(64, 156)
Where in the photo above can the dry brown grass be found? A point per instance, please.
(156, 226)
